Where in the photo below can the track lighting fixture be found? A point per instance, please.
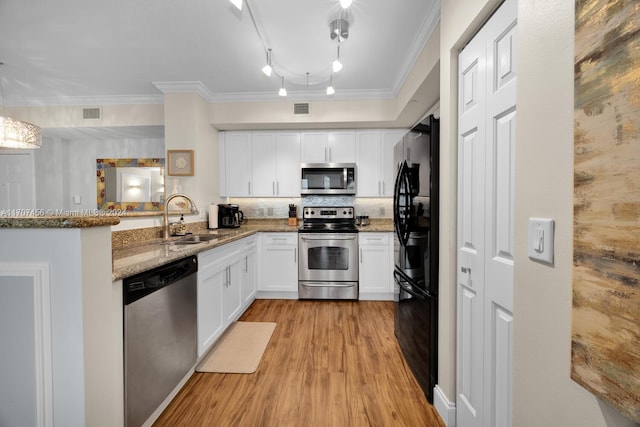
(268, 68)
(337, 65)
(330, 89)
(338, 29)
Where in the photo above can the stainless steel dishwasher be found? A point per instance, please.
(160, 340)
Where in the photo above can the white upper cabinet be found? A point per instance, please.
(314, 147)
(332, 146)
(267, 163)
(375, 161)
(261, 164)
(288, 164)
(236, 164)
(263, 158)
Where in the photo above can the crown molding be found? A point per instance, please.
(86, 101)
(426, 29)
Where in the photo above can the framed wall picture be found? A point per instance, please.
(180, 162)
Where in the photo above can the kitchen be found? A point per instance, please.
(543, 393)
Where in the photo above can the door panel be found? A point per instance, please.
(17, 181)
(487, 129)
(471, 246)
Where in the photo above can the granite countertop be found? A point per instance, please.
(37, 220)
(378, 225)
(143, 256)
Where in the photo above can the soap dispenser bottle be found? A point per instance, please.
(182, 228)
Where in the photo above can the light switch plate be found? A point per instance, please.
(541, 232)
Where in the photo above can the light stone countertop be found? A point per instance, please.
(146, 255)
(55, 221)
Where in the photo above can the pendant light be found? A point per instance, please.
(337, 65)
(282, 91)
(330, 89)
(267, 69)
(16, 133)
(345, 3)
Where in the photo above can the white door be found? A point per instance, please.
(486, 139)
(17, 181)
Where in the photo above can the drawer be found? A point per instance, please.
(279, 238)
(373, 239)
(218, 254)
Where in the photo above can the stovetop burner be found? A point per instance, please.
(328, 219)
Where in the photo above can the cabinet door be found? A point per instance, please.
(279, 262)
(314, 147)
(248, 283)
(210, 318)
(375, 263)
(263, 159)
(389, 140)
(369, 173)
(231, 299)
(238, 163)
(288, 164)
(342, 147)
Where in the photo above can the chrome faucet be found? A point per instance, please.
(165, 219)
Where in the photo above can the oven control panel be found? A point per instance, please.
(324, 212)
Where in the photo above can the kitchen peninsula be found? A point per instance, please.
(61, 288)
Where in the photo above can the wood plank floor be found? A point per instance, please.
(328, 363)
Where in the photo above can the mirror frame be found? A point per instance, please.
(131, 208)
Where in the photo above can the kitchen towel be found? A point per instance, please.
(240, 348)
(213, 216)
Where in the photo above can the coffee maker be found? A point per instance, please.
(229, 215)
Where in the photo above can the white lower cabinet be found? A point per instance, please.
(226, 287)
(231, 299)
(249, 274)
(278, 265)
(376, 266)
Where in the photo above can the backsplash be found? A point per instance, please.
(279, 207)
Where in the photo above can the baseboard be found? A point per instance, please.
(445, 408)
(276, 295)
(374, 296)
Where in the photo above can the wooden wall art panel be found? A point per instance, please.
(605, 355)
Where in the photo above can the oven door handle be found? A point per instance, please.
(327, 285)
(329, 238)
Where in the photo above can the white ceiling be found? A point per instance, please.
(87, 52)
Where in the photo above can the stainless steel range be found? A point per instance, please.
(328, 253)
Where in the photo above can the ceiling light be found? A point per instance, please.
(330, 89)
(345, 3)
(282, 91)
(16, 133)
(339, 28)
(337, 65)
(237, 3)
(268, 68)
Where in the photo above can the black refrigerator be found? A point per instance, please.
(415, 216)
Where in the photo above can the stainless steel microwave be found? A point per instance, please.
(328, 178)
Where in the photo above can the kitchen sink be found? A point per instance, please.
(191, 239)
